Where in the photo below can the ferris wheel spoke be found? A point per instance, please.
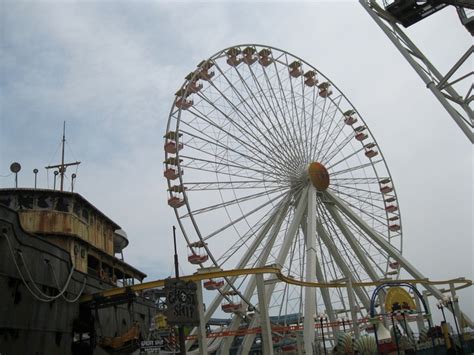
(330, 115)
(235, 201)
(379, 218)
(283, 99)
(203, 168)
(232, 223)
(248, 145)
(340, 125)
(274, 104)
(354, 153)
(243, 116)
(244, 143)
(308, 118)
(275, 132)
(284, 131)
(211, 163)
(227, 185)
(373, 195)
(223, 160)
(269, 132)
(216, 143)
(356, 167)
(339, 148)
(320, 124)
(296, 115)
(365, 203)
(357, 181)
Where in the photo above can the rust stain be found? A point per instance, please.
(42, 222)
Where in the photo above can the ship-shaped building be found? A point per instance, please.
(55, 246)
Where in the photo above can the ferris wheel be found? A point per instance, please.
(267, 162)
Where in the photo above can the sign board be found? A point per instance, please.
(151, 346)
(398, 299)
(181, 302)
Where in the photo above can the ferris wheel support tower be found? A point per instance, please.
(443, 87)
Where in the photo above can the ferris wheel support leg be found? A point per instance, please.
(419, 317)
(436, 82)
(360, 253)
(427, 303)
(350, 296)
(310, 292)
(282, 254)
(202, 339)
(391, 250)
(324, 291)
(364, 299)
(455, 305)
(264, 319)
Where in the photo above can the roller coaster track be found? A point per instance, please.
(271, 269)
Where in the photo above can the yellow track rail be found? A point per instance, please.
(264, 270)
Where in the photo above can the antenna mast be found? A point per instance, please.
(62, 167)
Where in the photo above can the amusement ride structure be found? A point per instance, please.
(269, 163)
(448, 88)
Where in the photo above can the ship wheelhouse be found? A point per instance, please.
(94, 242)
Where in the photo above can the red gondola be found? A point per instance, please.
(295, 69)
(176, 202)
(386, 189)
(197, 253)
(171, 147)
(183, 104)
(213, 285)
(391, 208)
(248, 56)
(361, 136)
(265, 59)
(394, 265)
(171, 173)
(394, 227)
(310, 80)
(371, 153)
(325, 89)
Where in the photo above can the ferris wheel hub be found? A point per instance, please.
(319, 176)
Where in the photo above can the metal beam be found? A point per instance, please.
(461, 113)
(364, 299)
(388, 248)
(310, 307)
(202, 339)
(264, 319)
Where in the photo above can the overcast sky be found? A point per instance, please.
(110, 70)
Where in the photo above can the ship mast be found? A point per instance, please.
(62, 167)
